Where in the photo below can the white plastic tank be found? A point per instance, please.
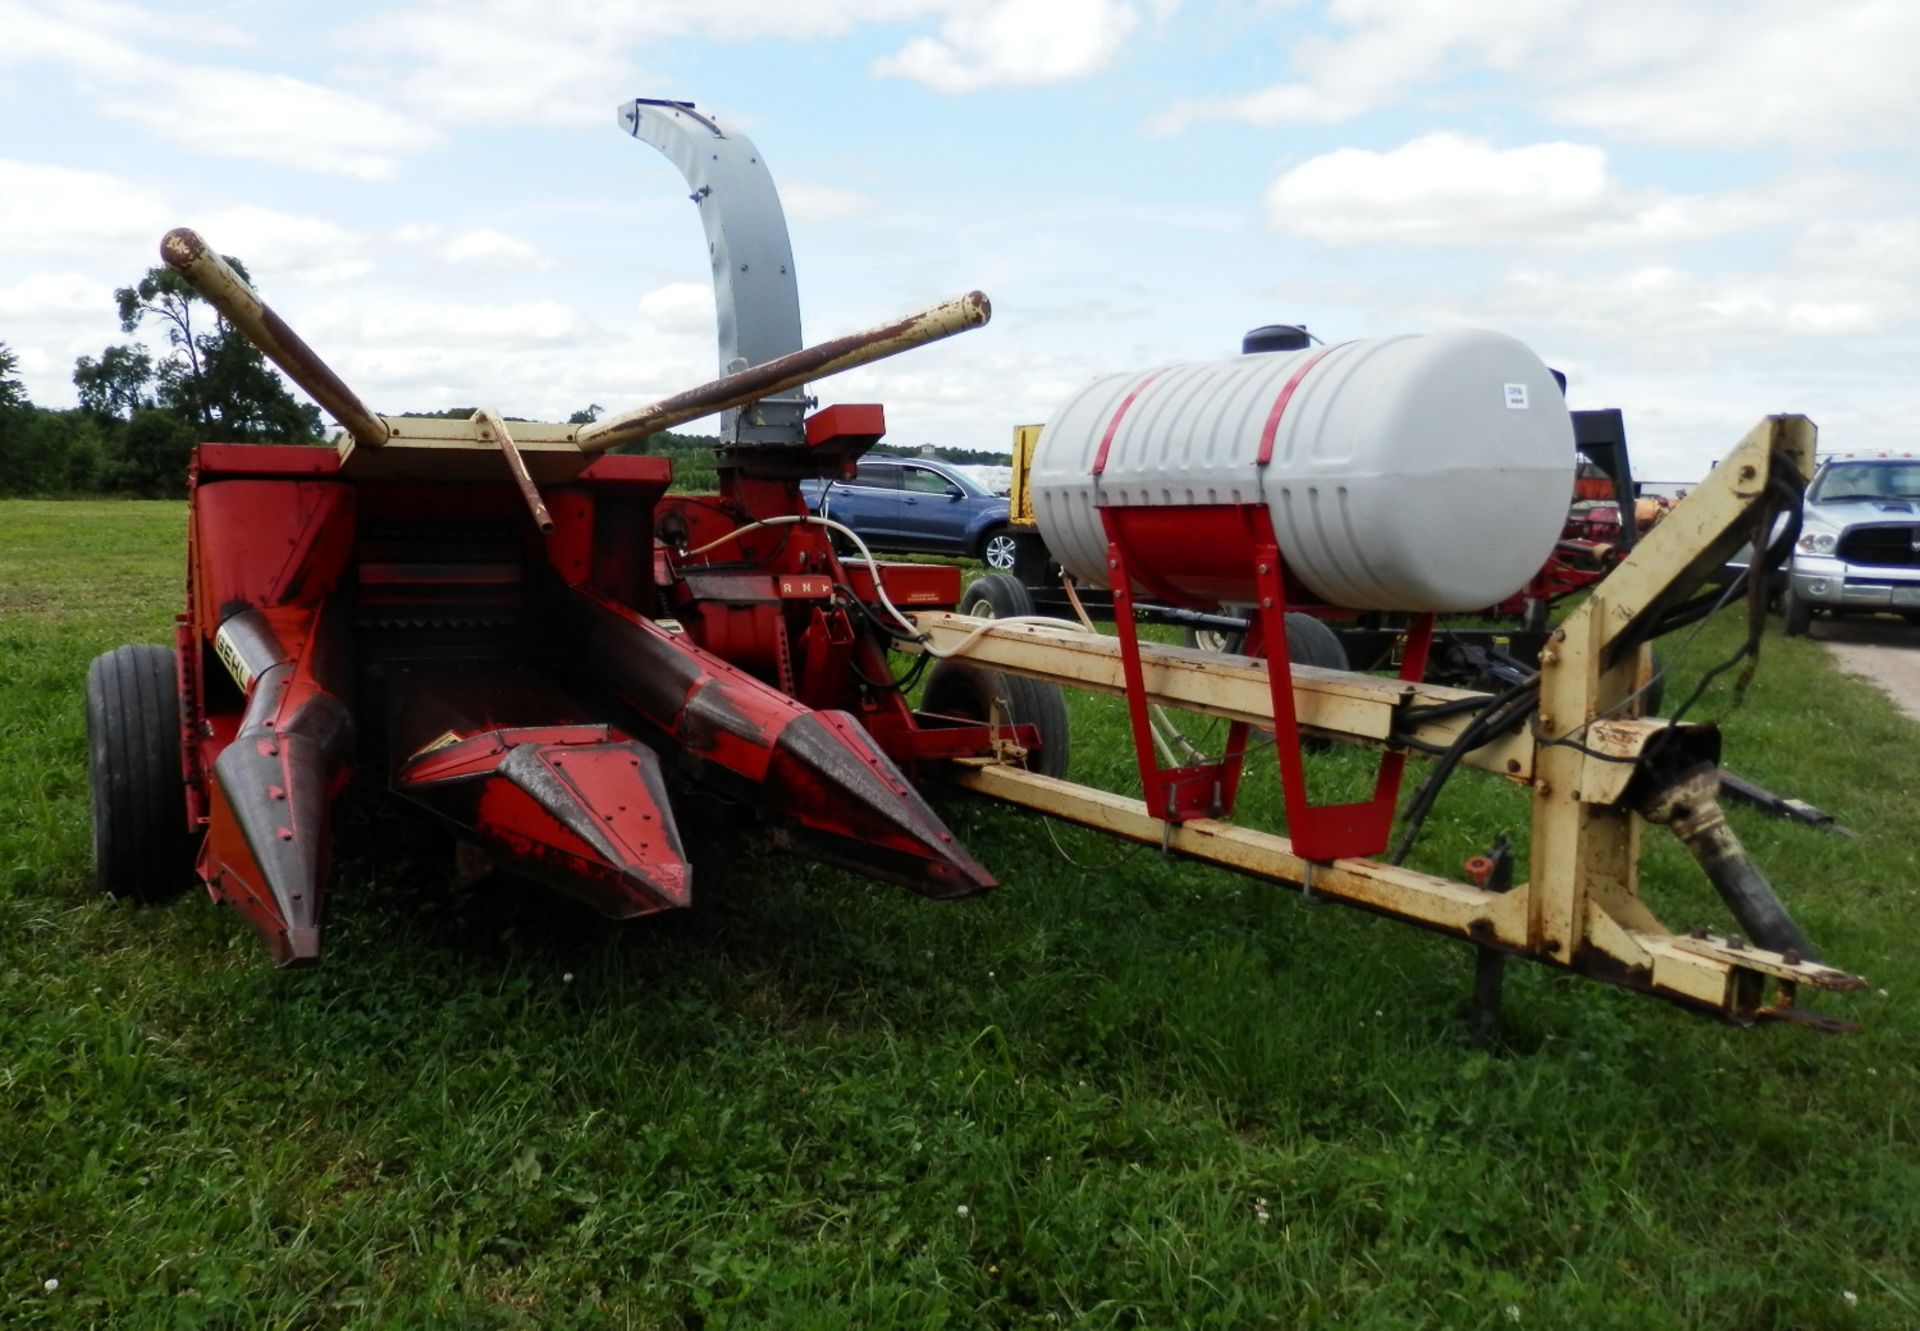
(1406, 473)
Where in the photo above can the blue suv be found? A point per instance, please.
(922, 507)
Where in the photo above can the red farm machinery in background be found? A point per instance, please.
(508, 632)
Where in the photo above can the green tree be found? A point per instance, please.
(151, 454)
(118, 384)
(213, 377)
(13, 393)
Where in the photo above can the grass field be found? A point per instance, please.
(1137, 1093)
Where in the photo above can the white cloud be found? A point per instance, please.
(58, 211)
(1671, 311)
(1820, 77)
(1445, 189)
(218, 110)
(1388, 51)
(1874, 250)
(56, 298)
(282, 248)
(557, 60)
(680, 309)
(489, 248)
(1016, 42)
(1697, 72)
(435, 324)
(270, 118)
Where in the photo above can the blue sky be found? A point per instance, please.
(1702, 211)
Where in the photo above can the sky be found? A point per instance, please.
(1701, 210)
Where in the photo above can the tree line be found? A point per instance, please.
(141, 413)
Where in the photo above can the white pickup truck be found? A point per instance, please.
(1859, 547)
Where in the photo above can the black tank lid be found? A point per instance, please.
(1276, 337)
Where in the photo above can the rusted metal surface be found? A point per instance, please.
(816, 362)
(209, 274)
(1703, 974)
(1690, 806)
(488, 422)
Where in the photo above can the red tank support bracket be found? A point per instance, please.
(1321, 832)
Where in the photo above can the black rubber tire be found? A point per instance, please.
(141, 845)
(996, 596)
(964, 689)
(1218, 641)
(1796, 615)
(1030, 560)
(999, 550)
(1311, 643)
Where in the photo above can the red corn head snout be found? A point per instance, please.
(828, 791)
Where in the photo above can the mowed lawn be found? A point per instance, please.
(1118, 1092)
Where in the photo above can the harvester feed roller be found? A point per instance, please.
(510, 634)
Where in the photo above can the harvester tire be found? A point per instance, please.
(1796, 614)
(141, 845)
(995, 596)
(975, 693)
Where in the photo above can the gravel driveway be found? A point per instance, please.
(1883, 650)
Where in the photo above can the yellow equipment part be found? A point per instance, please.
(1020, 502)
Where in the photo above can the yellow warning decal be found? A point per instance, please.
(435, 745)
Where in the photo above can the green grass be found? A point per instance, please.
(1136, 1094)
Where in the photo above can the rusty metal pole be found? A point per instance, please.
(490, 425)
(1689, 804)
(209, 274)
(757, 381)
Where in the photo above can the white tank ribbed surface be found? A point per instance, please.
(1408, 473)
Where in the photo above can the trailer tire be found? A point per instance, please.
(141, 845)
(1221, 642)
(975, 693)
(1796, 614)
(996, 596)
(1311, 643)
(1030, 560)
